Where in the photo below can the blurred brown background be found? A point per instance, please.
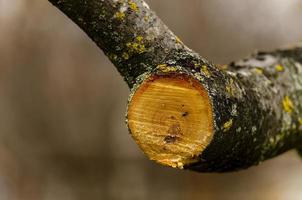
(62, 105)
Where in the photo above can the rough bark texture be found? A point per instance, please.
(258, 107)
(128, 32)
(257, 102)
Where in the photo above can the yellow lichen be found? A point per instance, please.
(112, 56)
(227, 125)
(133, 6)
(196, 65)
(229, 87)
(177, 39)
(300, 120)
(119, 15)
(205, 71)
(136, 47)
(141, 48)
(146, 18)
(160, 66)
(125, 56)
(139, 38)
(288, 105)
(258, 70)
(279, 68)
(222, 67)
(165, 68)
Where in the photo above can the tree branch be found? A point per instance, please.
(128, 32)
(186, 112)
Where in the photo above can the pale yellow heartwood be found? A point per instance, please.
(170, 117)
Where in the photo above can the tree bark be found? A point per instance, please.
(128, 32)
(251, 109)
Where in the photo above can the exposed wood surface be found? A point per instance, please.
(170, 117)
